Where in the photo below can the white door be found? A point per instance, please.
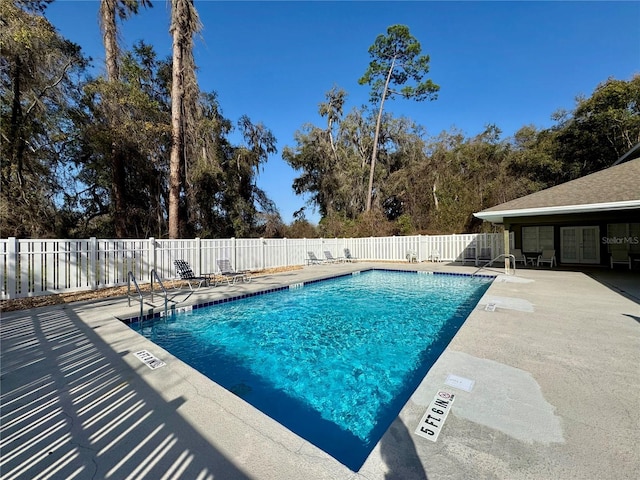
(580, 245)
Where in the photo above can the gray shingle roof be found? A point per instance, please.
(617, 184)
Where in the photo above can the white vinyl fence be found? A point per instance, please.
(41, 267)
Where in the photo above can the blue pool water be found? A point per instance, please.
(333, 361)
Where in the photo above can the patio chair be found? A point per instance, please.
(185, 273)
(412, 256)
(331, 259)
(313, 260)
(469, 255)
(547, 256)
(348, 257)
(485, 256)
(519, 256)
(435, 256)
(228, 274)
(621, 257)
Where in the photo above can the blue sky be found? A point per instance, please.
(507, 63)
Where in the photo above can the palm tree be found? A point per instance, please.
(109, 11)
(184, 94)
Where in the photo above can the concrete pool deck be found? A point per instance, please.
(554, 357)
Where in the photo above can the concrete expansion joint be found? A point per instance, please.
(93, 456)
(362, 476)
(72, 432)
(298, 451)
(186, 380)
(211, 399)
(230, 413)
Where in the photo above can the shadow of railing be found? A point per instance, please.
(71, 407)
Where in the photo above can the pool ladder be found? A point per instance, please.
(131, 279)
(509, 270)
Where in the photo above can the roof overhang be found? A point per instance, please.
(498, 216)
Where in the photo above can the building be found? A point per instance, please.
(593, 220)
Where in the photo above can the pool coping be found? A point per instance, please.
(540, 338)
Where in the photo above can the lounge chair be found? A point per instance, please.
(228, 274)
(469, 255)
(547, 256)
(519, 256)
(348, 257)
(313, 260)
(185, 273)
(331, 259)
(621, 257)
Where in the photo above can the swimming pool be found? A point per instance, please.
(334, 361)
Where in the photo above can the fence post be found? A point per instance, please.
(199, 254)
(152, 259)
(234, 247)
(285, 244)
(92, 258)
(12, 266)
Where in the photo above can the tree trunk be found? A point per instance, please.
(118, 191)
(435, 196)
(118, 174)
(16, 121)
(177, 138)
(376, 136)
(110, 38)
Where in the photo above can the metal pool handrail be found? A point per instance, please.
(130, 278)
(512, 259)
(154, 278)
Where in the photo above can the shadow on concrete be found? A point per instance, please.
(637, 319)
(399, 454)
(71, 407)
(626, 283)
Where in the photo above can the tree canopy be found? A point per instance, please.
(435, 184)
(86, 155)
(62, 128)
(395, 60)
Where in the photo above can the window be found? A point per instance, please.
(623, 236)
(536, 239)
(634, 237)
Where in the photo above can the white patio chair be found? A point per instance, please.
(469, 255)
(519, 256)
(230, 275)
(348, 257)
(547, 256)
(331, 259)
(621, 257)
(313, 260)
